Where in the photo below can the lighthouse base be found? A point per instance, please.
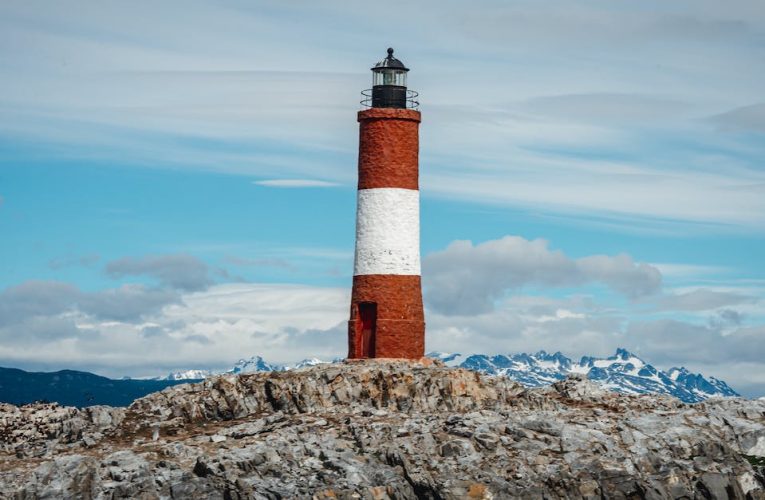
(386, 320)
(391, 338)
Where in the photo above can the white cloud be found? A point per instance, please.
(466, 278)
(179, 271)
(295, 183)
(285, 323)
(27, 301)
(211, 328)
(674, 341)
(526, 324)
(128, 302)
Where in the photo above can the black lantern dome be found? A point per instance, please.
(390, 62)
(389, 85)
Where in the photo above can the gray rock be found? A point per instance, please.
(456, 448)
(377, 430)
(486, 440)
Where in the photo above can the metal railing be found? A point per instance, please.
(410, 100)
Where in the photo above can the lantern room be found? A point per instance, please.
(389, 85)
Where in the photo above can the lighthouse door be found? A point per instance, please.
(367, 320)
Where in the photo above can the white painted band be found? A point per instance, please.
(387, 232)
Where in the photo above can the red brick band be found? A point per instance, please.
(399, 322)
(388, 148)
(394, 339)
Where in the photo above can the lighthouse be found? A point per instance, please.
(387, 319)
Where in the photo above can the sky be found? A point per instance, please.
(177, 179)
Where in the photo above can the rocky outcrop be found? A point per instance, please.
(381, 430)
(37, 430)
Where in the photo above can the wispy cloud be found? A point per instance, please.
(701, 300)
(70, 261)
(605, 120)
(606, 108)
(259, 262)
(748, 118)
(295, 183)
(679, 270)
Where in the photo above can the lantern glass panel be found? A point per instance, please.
(390, 77)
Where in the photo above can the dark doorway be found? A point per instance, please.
(367, 326)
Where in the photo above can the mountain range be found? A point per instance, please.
(74, 388)
(251, 365)
(623, 372)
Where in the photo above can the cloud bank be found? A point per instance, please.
(467, 279)
(477, 296)
(285, 323)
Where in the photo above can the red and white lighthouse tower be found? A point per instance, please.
(387, 319)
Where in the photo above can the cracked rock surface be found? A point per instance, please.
(379, 430)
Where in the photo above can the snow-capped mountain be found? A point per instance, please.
(254, 364)
(698, 384)
(307, 362)
(623, 372)
(188, 375)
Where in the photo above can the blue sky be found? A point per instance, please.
(177, 179)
